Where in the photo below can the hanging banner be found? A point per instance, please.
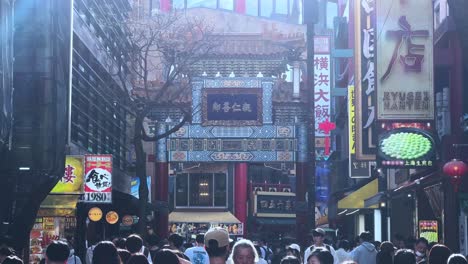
(322, 84)
(405, 82)
(365, 111)
(98, 180)
(72, 180)
(357, 168)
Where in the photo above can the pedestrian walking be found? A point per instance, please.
(105, 252)
(134, 245)
(198, 254)
(404, 256)
(420, 249)
(265, 252)
(57, 252)
(290, 260)
(165, 256)
(319, 237)
(386, 253)
(320, 256)
(244, 252)
(366, 251)
(124, 255)
(344, 251)
(217, 245)
(72, 258)
(457, 259)
(294, 250)
(439, 254)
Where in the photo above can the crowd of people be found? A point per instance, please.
(216, 247)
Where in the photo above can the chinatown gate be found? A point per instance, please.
(234, 164)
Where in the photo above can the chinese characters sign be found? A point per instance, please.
(365, 94)
(72, 180)
(407, 147)
(429, 230)
(322, 92)
(98, 179)
(405, 61)
(232, 107)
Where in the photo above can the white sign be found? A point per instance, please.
(322, 91)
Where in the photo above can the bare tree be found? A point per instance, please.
(156, 70)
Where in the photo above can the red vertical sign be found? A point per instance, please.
(98, 179)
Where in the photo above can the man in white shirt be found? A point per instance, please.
(198, 254)
(319, 237)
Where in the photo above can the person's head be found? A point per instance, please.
(293, 250)
(420, 247)
(290, 260)
(57, 252)
(262, 242)
(124, 254)
(134, 243)
(5, 252)
(200, 239)
(105, 252)
(439, 254)
(319, 236)
(399, 241)
(404, 256)
(137, 259)
(344, 244)
(119, 242)
(387, 247)
(12, 260)
(217, 243)
(457, 259)
(365, 236)
(244, 252)
(165, 256)
(320, 256)
(175, 241)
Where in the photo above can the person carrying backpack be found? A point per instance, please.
(319, 236)
(265, 251)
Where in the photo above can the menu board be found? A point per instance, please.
(429, 230)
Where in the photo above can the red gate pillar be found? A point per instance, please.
(240, 192)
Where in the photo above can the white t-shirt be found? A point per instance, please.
(197, 255)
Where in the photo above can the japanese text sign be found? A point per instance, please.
(322, 92)
(72, 179)
(98, 178)
(232, 107)
(405, 60)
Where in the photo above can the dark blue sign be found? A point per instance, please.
(233, 107)
(322, 173)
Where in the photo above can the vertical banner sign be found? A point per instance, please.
(357, 168)
(98, 179)
(322, 83)
(405, 60)
(365, 35)
(72, 179)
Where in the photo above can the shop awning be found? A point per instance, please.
(374, 200)
(355, 200)
(202, 217)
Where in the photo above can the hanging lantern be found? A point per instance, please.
(455, 169)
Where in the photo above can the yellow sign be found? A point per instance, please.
(112, 217)
(72, 179)
(351, 120)
(95, 214)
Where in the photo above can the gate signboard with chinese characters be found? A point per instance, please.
(98, 179)
(322, 83)
(232, 107)
(405, 60)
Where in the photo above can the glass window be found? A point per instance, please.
(226, 4)
(182, 190)
(266, 8)
(220, 188)
(201, 3)
(201, 189)
(252, 7)
(281, 7)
